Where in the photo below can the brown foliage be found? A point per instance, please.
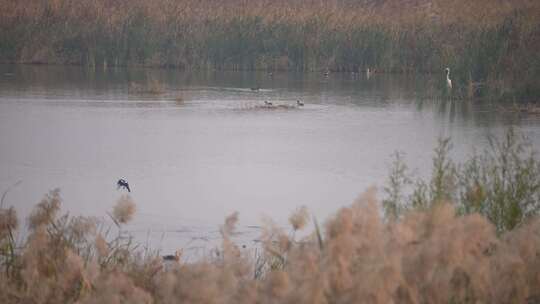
(429, 256)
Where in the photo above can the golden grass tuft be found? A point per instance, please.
(124, 209)
(299, 218)
(46, 210)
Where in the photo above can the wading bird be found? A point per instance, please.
(448, 80)
(122, 184)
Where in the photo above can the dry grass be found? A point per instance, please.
(299, 218)
(490, 45)
(179, 99)
(152, 86)
(124, 210)
(430, 256)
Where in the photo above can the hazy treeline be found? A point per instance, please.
(487, 43)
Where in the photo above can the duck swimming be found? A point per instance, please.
(175, 257)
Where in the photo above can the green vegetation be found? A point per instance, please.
(491, 46)
(483, 248)
(502, 183)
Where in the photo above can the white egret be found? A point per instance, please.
(448, 80)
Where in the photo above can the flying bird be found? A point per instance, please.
(122, 184)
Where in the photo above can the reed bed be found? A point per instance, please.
(434, 251)
(490, 45)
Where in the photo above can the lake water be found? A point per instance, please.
(192, 162)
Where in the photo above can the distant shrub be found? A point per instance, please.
(502, 183)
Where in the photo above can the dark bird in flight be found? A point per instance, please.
(122, 184)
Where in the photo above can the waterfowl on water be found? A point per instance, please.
(299, 103)
(173, 258)
(448, 80)
(255, 88)
(122, 183)
(267, 103)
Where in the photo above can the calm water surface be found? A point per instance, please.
(191, 163)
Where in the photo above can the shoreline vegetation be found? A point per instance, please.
(470, 233)
(491, 46)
